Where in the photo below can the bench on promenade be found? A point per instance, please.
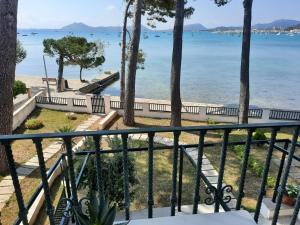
(49, 80)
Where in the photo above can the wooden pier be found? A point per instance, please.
(99, 84)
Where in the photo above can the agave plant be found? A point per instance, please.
(65, 129)
(98, 212)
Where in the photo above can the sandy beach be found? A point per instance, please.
(36, 82)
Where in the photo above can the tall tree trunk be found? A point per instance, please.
(132, 65)
(176, 65)
(245, 62)
(8, 41)
(123, 53)
(80, 75)
(60, 73)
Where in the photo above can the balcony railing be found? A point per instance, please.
(218, 192)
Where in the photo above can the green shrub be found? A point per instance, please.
(291, 190)
(259, 136)
(19, 88)
(33, 124)
(254, 166)
(271, 181)
(210, 121)
(112, 173)
(239, 151)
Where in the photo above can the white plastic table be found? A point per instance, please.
(227, 218)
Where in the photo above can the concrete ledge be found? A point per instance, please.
(104, 122)
(268, 207)
(21, 114)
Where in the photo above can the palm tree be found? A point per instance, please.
(132, 65)
(176, 65)
(245, 61)
(8, 43)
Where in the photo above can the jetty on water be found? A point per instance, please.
(99, 84)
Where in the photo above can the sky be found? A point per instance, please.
(58, 13)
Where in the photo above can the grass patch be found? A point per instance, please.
(233, 162)
(24, 150)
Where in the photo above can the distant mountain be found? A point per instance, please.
(277, 24)
(222, 28)
(194, 27)
(86, 28)
(294, 27)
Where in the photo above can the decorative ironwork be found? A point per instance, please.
(223, 196)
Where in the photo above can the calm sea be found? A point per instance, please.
(210, 69)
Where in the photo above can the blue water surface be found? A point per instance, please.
(210, 67)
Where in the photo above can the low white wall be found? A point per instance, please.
(69, 107)
(24, 111)
(201, 116)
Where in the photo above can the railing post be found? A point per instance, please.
(202, 113)
(180, 178)
(221, 170)
(70, 104)
(89, 107)
(43, 170)
(14, 176)
(125, 173)
(296, 210)
(262, 192)
(286, 172)
(97, 140)
(107, 99)
(150, 175)
(174, 172)
(244, 169)
(68, 143)
(280, 169)
(66, 176)
(199, 168)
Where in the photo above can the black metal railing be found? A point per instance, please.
(217, 193)
(120, 105)
(277, 114)
(227, 111)
(79, 102)
(52, 100)
(154, 107)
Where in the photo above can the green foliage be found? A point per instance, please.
(255, 166)
(221, 2)
(271, 181)
(33, 124)
(112, 173)
(19, 88)
(291, 190)
(65, 129)
(99, 212)
(210, 121)
(73, 50)
(88, 55)
(20, 53)
(259, 135)
(140, 59)
(157, 11)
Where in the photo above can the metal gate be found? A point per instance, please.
(98, 105)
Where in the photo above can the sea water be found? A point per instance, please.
(210, 65)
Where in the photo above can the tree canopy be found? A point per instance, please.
(89, 55)
(20, 52)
